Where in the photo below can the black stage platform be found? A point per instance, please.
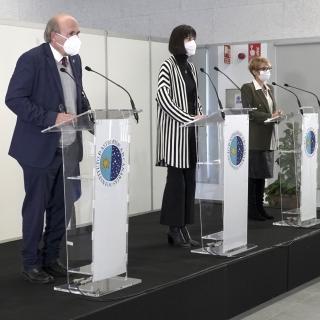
(175, 283)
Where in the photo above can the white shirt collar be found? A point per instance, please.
(257, 86)
(56, 54)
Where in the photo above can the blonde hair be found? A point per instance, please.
(256, 63)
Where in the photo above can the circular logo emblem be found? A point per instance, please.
(110, 163)
(310, 142)
(236, 150)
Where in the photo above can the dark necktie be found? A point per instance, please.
(64, 61)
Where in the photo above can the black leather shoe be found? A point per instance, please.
(257, 217)
(268, 216)
(187, 237)
(175, 238)
(37, 275)
(56, 269)
(265, 214)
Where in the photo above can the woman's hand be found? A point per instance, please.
(278, 113)
(199, 116)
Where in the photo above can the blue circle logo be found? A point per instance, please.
(236, 150)
(110, 163)
(310, 142)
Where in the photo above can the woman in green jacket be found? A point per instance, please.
(259, 95)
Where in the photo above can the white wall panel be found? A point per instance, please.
(128, 64)
(11, 183)
(93, 54)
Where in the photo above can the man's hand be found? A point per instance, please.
(62, 117)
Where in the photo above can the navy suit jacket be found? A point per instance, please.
(34, 95)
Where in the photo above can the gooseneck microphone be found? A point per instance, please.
(299, 103)
(135, 113)
(290, 86)
(217, 69)
(214, 87)
(84, 96)
(215, 90)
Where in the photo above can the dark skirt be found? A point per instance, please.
(261, 164)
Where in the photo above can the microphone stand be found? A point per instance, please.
(216, 92)
(87, 103)
(217, 69)
(299, 103)
(86, 100)
(135, 113)
(290, 86)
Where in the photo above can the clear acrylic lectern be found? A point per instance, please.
(95, 149)
(297, 176)
(233, 143)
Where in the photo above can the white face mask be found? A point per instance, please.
(264, 75)
(190, 47)
(72, 45)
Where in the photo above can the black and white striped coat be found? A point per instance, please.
(172, 139)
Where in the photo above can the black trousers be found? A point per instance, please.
(178, 197)
(255, 195)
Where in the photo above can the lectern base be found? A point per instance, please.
(97, 289)
(214, 236)
(297, 223)
(218, 251)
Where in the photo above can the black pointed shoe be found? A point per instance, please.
(257, 217)
(264, 213)
(56, 269)
(267, 215)
(175, 238)
(187, 237)
(37, 275)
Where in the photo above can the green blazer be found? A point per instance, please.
(259, 133)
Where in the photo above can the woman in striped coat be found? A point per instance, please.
(178, 104)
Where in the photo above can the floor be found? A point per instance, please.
(303, 303)
(164, 270)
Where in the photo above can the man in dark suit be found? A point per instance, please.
(42, 96)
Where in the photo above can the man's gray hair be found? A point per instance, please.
(52, 26)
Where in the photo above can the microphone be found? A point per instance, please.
(135, 113)
(299, 103)
(215, 90)
(290, 86)
(86, 100)
(217, 69)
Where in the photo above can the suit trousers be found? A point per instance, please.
(178, 197)
(44, 194)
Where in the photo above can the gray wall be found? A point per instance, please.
(217, 21)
